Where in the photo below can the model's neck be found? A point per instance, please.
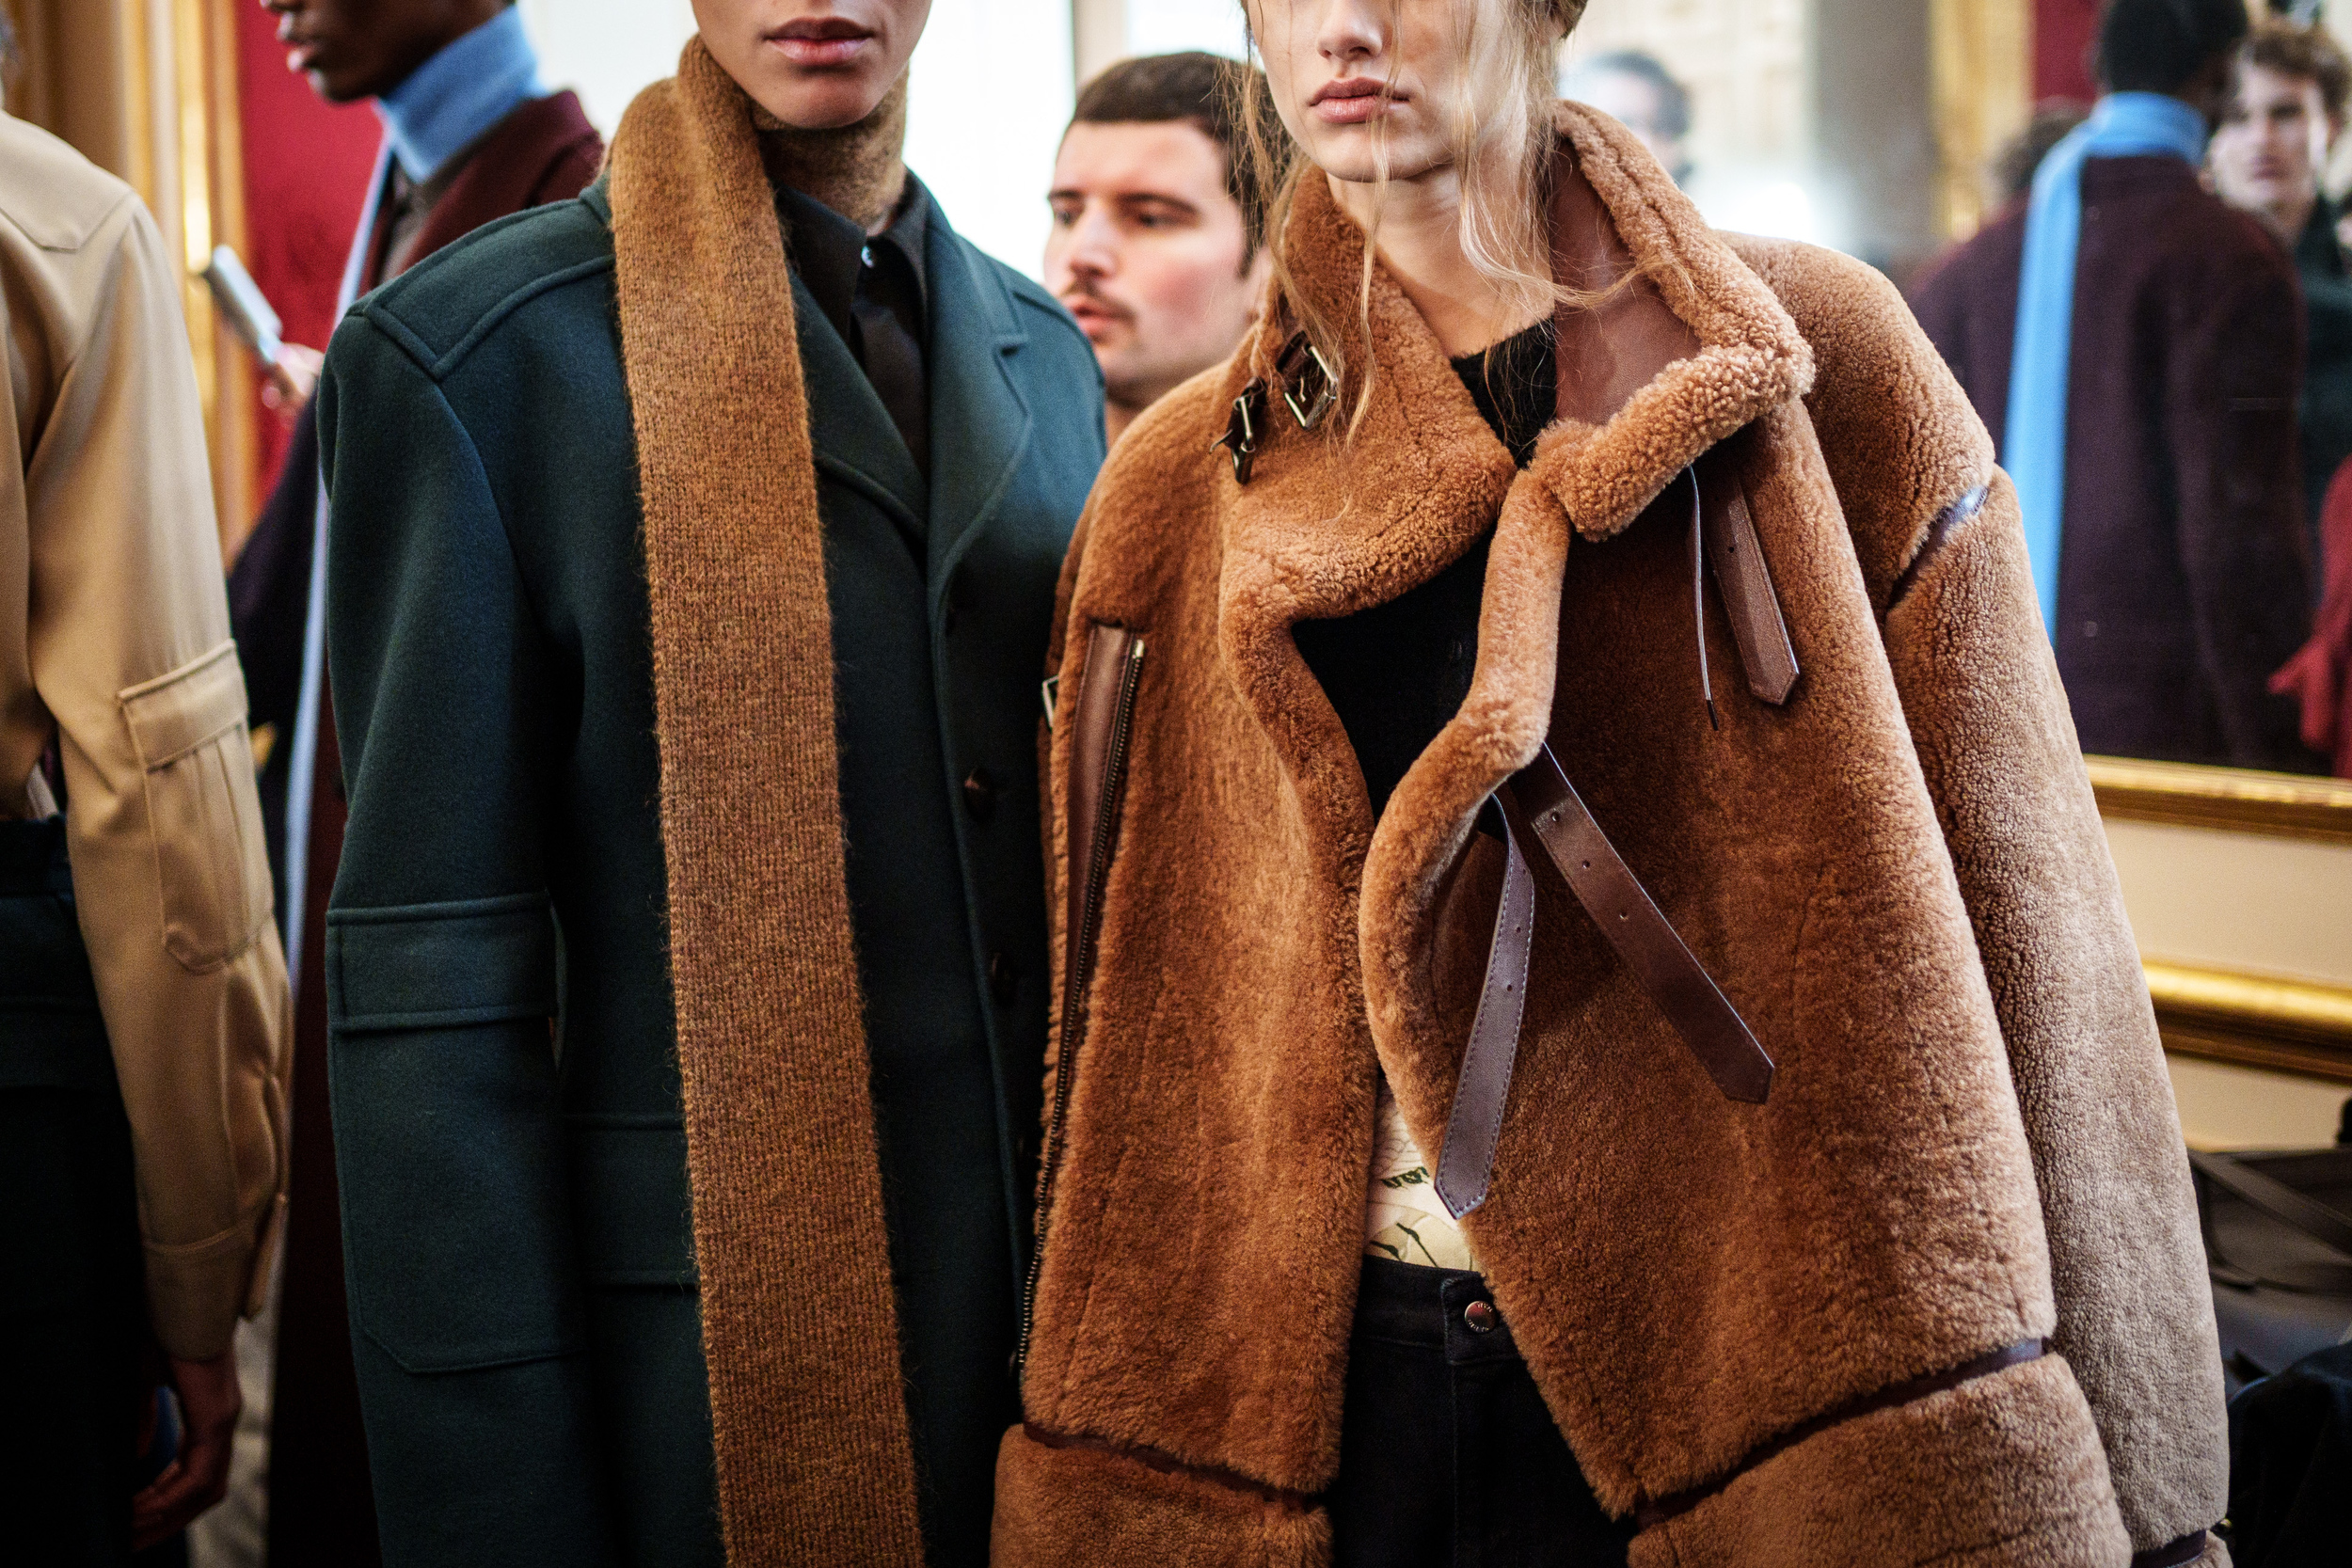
(1117, 416)
(858, 171)
(1416, 227)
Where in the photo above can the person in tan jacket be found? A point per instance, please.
(116, 665)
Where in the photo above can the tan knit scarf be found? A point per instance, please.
(800, 1325)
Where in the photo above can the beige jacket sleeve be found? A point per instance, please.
(114, 625)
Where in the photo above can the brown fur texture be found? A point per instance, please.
(857, 170)
(810, 1428)
(1899, 878)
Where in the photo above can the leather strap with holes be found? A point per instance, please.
(1541, 807)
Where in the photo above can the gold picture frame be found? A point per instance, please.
(2236, 1016)
(2234, 799)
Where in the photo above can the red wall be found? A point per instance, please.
(2062, 31)
(306, 175)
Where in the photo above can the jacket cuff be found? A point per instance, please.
(1907, 1485)
(1082, 1503)
(196, 1293)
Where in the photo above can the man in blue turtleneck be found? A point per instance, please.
(470, 136)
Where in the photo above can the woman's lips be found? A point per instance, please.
(1351, 101)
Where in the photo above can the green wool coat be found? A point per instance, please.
(503, 1059)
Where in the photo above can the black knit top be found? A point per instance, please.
(1399, 671)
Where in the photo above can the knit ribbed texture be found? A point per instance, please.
(810, 1424)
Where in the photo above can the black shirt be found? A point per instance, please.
(1398, 672)
(874, 290)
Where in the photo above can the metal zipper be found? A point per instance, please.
(1074, 1011)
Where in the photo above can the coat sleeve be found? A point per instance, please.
(128, 647)
(442, 980)
(2234, 378)
(1937, 530)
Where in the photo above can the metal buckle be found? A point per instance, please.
(1309, 387)
(1241, 430)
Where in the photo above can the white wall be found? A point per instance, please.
(606, 50)
(1165, 27)
(992, 93)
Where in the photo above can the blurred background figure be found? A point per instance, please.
(142, 990)
(1158, 245)
(1634, 88)
(2011, 176)
(2148, 421)
(2285, 115)
(470, 134)
(2319, 676)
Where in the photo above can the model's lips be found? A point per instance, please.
(1351, 100)
(302, 56)
(1095, 316)
(828, 41)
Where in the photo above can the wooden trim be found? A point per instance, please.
(2182, 795)
(2253, 1019)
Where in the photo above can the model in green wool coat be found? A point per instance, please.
(521, 1261)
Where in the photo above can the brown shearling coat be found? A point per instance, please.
(1899, 878)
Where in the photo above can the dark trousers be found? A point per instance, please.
(1447, 1455)
(72, 1324)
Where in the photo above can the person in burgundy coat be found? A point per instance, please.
(471, 136)
(2182, 583)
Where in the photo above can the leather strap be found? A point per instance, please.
(1541, 800)
(1540, 806)
(1466, 1164)
(1744, 578)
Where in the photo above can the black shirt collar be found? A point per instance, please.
(828, 250)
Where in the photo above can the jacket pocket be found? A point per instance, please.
(203, 817)
(458, 1227)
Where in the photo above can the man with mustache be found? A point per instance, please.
(693, 559)
(470, 136)
(1157, 246)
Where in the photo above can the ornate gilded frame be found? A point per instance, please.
(2235, 1016)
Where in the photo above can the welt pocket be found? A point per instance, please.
(203, 815)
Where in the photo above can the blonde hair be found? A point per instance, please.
(1501, 138)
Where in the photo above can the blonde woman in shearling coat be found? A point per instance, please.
(1595, 1019)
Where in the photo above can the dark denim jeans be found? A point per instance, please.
(1447, 1455)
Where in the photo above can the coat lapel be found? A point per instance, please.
(980, 423)
(854, 442)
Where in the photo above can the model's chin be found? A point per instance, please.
(820, 100)
(1354, 154)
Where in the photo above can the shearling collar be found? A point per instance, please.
(1418, 423)
(1335, 522)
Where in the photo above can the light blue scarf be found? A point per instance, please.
(459, 93)
(2125, 125)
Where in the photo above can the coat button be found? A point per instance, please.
(1004, 978)
(1482, 1317)
(979, 795)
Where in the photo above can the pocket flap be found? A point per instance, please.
(172, 715)
(419, 966)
